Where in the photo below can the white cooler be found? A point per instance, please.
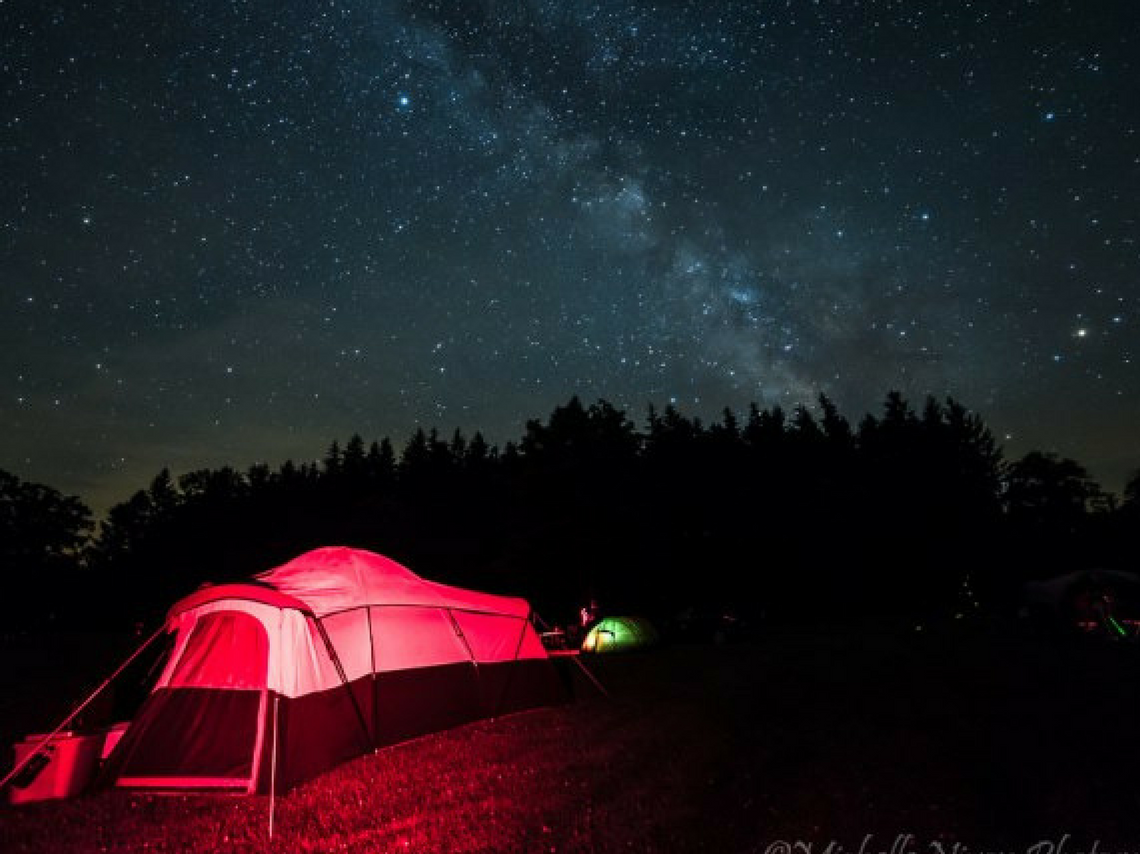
(67, 766)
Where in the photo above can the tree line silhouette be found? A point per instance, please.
(800, 516)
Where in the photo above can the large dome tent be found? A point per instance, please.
(317, 661)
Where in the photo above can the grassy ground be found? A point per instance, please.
(988, 743)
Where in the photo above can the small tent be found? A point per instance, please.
(619, 634)
(325, 658)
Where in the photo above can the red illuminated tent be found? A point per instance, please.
(329, 656)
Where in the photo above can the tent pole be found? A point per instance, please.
(273, 768)
(372, 695)
(471, 655)
(511, 672)
(344, 681)
(43, 745)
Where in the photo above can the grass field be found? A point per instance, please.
(903, 743)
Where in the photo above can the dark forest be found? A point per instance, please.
(907, 517)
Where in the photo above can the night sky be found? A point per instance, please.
(230, 232)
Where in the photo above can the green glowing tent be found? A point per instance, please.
(619, 634)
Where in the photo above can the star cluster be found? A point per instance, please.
(231, 231)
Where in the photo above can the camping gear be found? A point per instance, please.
(322, 659)
(59, 765)
(620, 634)
(66, 775)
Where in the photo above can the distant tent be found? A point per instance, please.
(619, 634)
(318, 661)
(1089, 600)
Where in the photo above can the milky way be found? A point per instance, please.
(230, 232)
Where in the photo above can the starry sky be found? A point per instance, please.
(232, 231)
